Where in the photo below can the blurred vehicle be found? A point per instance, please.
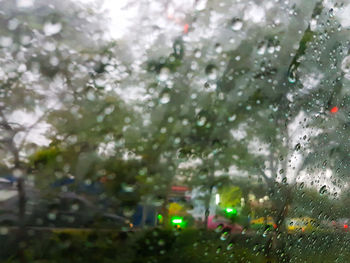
(145, 215)
(72, 210)
(341, 225)
(9, 200)
(301, 225)
(108, 221)
(224, 224)
(69, 210)
(263, 222)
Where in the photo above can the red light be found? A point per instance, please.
(274, 226)
(334, 109)
(346, 226)
(179, 188)
(103, 179)
(186, 27)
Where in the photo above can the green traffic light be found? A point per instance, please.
(160, 218)
(177, 221)
(231, 211)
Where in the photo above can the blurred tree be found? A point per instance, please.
(47, 51)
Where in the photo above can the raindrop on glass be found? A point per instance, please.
(237, 24)
(165, 98)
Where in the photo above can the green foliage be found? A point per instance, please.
(230, 196)
(44, 157)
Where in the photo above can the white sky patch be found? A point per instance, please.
(121, 16)
(25, 3)
(342, 14)
(254, 13)
(319, 180)
(133, 94)
(239, 134)
(258, 148)
(310, 81)
(36, 133)
(191, 164)
(235, 172)
(124, 13)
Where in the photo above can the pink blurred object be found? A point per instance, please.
(221, 223)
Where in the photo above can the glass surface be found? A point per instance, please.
(174, 131)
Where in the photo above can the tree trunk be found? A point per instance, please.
(272, 245)
(21, 202)
(207, 207)
(21, 236)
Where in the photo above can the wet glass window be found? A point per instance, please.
(174, 131)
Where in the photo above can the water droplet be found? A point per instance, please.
(237, 24)
(232, 118)
(301, 186)
(313, 24)
(218, 228)
(52, 29)
(178, 49)
(201, 121)
(324, 164)
(297, 147)
(163, 74)
(271, 50)
(109, 109)
(218, 48)
(323, 190)
(292, 74)
(265, 233)
(197, 53)
(211, 71)
(224, 236)
(165, 98)
(100, 82)
(261, 49)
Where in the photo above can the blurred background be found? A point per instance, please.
(174, 131)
